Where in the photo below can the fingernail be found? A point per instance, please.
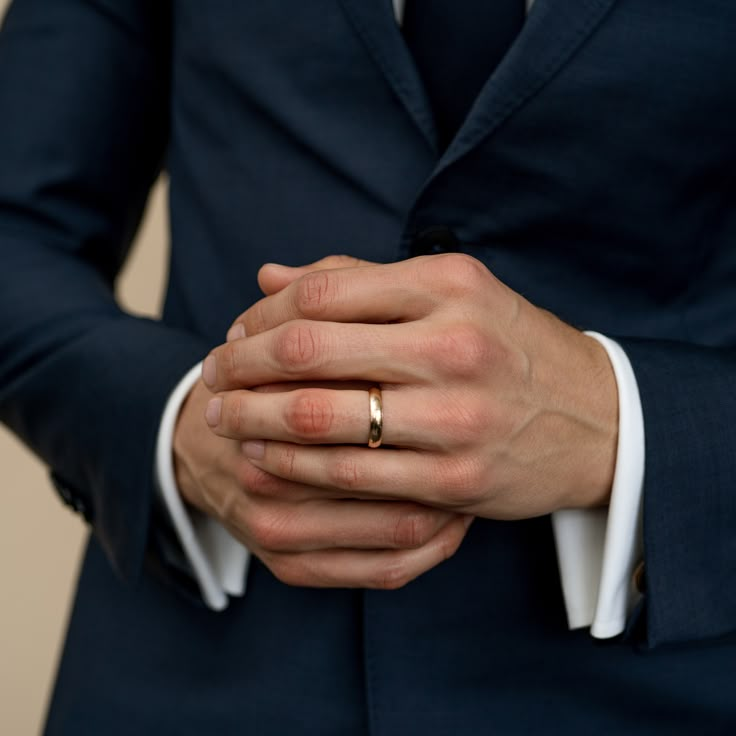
(209, 370)
(214, 411)
(254, 449)
(468, 520)
(236, 332)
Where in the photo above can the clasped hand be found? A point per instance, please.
(492, 408)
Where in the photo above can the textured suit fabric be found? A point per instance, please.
(456, 47)
(595, 175)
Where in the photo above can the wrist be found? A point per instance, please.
(189, 426)
(578, 381)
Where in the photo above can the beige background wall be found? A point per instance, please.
(40, 540)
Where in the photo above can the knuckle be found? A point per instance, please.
(475, 346)
(309, 415)
(412, 529)
(315, 292)
(254, 319)
(449, 545)
(227, 363)
(305, 570)
(297, 348)
(345, 473)
(458, 422)
(455, 273)
(285, 462)
(343, 261)
(460, 350)
(461, 480)
(270, 530)
(285, 570)
(234, 412)
(464, 271)
(393, 575)
(259, 482)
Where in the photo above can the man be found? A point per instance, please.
(590, 172)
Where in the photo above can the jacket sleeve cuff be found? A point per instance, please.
(597, 549)
(218, 562)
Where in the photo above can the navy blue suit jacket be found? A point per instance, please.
(595, 175)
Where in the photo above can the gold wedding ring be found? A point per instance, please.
(375, 432)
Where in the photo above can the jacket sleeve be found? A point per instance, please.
(688, 396)
(83, 133)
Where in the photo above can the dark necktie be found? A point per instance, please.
(456, 45)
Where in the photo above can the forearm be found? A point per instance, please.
(83, 89)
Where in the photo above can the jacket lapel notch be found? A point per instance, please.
(554, 31)
(375, 23)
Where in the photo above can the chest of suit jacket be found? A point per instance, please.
(599, 158)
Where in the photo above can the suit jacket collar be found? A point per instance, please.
(553, 32)
(375, 22)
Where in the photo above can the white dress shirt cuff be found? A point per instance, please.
(218, 561)
(597, 549)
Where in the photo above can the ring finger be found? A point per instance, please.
(324, 416)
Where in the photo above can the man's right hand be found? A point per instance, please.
(306, 536)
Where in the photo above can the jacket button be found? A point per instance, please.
(434, 240)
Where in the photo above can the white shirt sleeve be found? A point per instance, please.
(219, 562)
(597, 549)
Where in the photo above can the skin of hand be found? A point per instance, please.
(306, 536)
(491, 406)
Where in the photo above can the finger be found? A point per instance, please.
(307, 351)
(273, 277)
(305, 415)
(275, 388)
(453, 480)
(383, 570)
(378, 293)
(325, 416)
(261, 484)
(348, 524)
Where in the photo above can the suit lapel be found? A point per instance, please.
(553, 31)
(375, 23)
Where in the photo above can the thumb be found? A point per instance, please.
(273, 277)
